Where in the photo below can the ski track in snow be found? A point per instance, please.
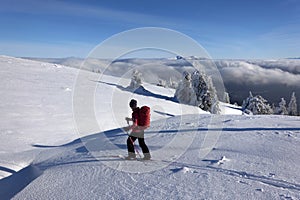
(255, 157)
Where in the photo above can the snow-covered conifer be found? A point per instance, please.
(185, 93)
(281, 110)
(136, 80)
(172, 84)
(205, 92)
(215, 108)
(198, 89)
(292, 109)
(257, 105)
(226, 97)
(246, 102)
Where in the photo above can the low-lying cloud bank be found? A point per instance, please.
(256, 74)
(272, 79)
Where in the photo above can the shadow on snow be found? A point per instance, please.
(12, 185)
(100, 141)
(142, 91)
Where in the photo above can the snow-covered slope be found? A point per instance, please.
(195, 155)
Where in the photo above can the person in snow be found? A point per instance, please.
(137, 132)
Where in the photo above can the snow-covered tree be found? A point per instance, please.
(172, 84)
(226, 97)
(205, 92)
(257, 105)
(185, 93)
(198, 90)
(161, 83)
(247, 101)
(292, 109)
(136, 80)
(215, 108)
(281, 110)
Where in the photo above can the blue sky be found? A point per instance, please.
(226, 29)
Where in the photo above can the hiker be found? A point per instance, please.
(137, 131)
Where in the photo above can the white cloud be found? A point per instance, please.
(243, 72)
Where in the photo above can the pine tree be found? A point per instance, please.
(292, 109)
(257, 105)
(282, 110)
(206, 93)
(136, 80)
(172, 84)
(226, 97)
(247, 101)
(185, 93)
(215, 108)
(198, 90)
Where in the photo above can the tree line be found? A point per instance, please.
(197, 89)
(257, 105)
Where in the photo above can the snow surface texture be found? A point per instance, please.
(43, 157)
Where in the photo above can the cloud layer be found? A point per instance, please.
(260, 73)
(271, 79)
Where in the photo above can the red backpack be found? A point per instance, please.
(144, 117)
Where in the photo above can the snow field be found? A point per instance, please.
(42, 156)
